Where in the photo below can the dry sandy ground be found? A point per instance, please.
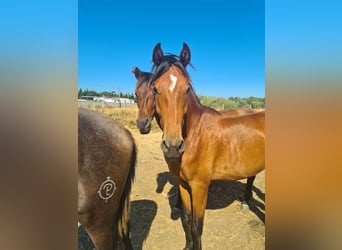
(154, 226)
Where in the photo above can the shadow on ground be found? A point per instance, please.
(84, 241)
(142, 216)
(220, 195)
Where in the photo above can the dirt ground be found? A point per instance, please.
(153, 224)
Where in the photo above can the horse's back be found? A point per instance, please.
(254, 119)
(102, 131)
(237, 111)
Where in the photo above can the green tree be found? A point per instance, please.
(80, 93)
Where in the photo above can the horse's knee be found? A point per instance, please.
(186, 223)
(197, 227)
(186, 220)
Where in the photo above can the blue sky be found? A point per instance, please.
(226, 39)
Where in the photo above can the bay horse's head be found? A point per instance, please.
(171, 84)
(145, 100)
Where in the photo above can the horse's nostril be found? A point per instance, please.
(172, 149)
(166, 144)
(142, 122)
(181, 146)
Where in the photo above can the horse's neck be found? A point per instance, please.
(193, 115)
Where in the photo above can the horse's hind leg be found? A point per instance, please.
(101, 233)
(126, 240)
(248, 193)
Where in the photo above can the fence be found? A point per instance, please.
(96, 105)
(126, 114)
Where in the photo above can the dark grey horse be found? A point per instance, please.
(106, 168)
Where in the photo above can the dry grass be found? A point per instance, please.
(125, 115)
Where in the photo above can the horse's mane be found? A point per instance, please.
(167, 61)
(146, 75)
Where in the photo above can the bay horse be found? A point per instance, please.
(147, 111)
(199, 143)
(146, 103)
(106, 169)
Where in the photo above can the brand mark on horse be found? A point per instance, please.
(107, 189)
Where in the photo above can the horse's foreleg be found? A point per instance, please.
(178, 205)
(187, 221)
(199, 192)
(248, 193)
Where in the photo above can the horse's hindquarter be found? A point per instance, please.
(106, 161)
(104, 150)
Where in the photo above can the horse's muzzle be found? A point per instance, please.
(144, 125)
(172, 149)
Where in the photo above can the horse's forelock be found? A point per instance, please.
(166, 63)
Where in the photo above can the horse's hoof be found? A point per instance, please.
(244, 206)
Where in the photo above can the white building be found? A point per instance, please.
(108, 99)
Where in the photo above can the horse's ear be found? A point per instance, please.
(137, 72)
(157, 55)
(185, 55)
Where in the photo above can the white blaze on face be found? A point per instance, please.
(173, 82)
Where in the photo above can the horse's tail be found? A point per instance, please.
(123, 222)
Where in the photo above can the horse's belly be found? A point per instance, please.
(240, 157)
(235, 168)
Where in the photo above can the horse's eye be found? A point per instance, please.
(187, 90)
(155, 91)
